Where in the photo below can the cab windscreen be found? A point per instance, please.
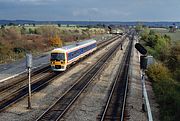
(57, 56)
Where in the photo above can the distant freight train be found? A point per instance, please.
(61, 58)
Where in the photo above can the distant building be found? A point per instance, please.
(173, 28)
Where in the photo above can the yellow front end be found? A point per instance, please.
(58, 61)
(58, 66)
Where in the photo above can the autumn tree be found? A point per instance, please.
(56, 41)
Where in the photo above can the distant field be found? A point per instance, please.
(63, 27)
(15, 41)
(174, 36)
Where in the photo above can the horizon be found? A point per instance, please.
(82, 20)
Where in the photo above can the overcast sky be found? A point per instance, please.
(91, 10)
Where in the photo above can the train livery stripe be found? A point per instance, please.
(80, 51)
(79, 47)
(74, 53)
(81, 55)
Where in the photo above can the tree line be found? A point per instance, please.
(15, 41)
(164, 74)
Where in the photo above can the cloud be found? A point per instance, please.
(27, 0)
(118, 10)
(100, 13)
(30, 0)
(85, 12)
(35, 2)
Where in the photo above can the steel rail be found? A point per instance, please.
(58, 109)
(22, 92)
(21, 77)
(113, 103)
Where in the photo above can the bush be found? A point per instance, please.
(165, 80)
(158, 72)
(168, 97)
(5, 52)
(18, 50)
(174, 57)
(167, 92)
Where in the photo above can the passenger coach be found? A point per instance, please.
(61, 58)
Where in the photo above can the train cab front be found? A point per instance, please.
(58, 62)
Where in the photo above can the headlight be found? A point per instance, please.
(62, 62)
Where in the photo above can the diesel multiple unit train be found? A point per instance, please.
(61, 58)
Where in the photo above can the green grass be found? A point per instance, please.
(174, 36)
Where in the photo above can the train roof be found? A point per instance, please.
(78, 44)
(75, 45)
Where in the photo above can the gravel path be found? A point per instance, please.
(10, 69)
(134, 97)
(44, 98)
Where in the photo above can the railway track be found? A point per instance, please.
(60, 107)
(22, 83)
(17, 80)
(20, 79)
(40, 78)
(115, 104)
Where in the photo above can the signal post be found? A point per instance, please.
(29, 66)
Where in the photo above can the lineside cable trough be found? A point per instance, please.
(145, 61)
